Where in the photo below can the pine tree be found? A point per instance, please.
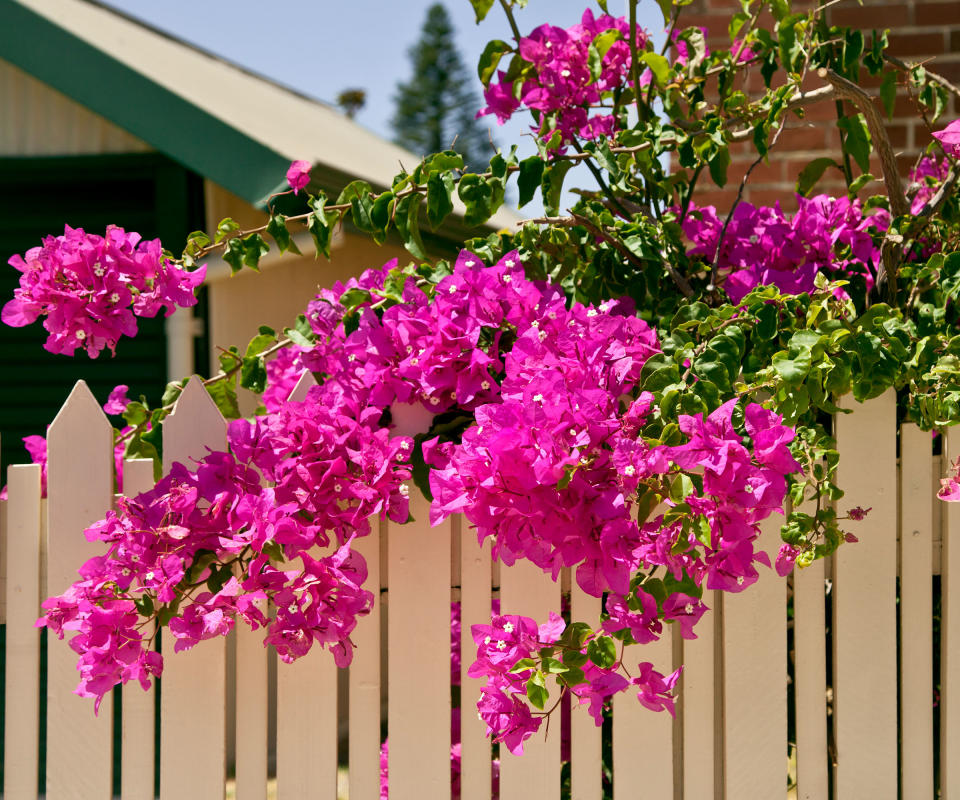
(435, 108)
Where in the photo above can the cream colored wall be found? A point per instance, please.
(276, 295)
(36, 120)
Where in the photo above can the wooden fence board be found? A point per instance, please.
(475, 609)
(22, 691)
(527, 591)
(917, 481)
(585, 739)
(755, 680)
(950, 632)
(697, 707)
(193, 687)
(80, 488)
(138, 734)
(307, 727)
(418, 695)
(643, 752)
(251, 713)
(810, 686)
(864, 604)
(365, 680)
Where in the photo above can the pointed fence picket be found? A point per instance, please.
(22, 529)
(80, 491)
(193, 686)
(138, 737)
(865, 605)
(730, 738)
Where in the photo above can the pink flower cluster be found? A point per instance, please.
(176, 546)
(511, 639)
(90, 288)
(764, 246)
(562, 88)
(551, 471)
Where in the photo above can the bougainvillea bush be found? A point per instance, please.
(625, 388)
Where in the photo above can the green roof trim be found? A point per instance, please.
(174, 126)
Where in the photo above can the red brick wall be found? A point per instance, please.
(920, 30)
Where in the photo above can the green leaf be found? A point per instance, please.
(482, 197)
(144, 605)
(407, 220)
(767, 317)
(259, 343)
(172, 391)
(225, 397)
(852, 49)
(254, 248)
(602, 651)
(792, 370)
(659, 67)
(352, 191)
(443, 161)
(481, 8)
(225, 228)
(860, 181)
(253, 374)
(812, 173)
(857, 140)
(277, 228)
(233, 255)
(888, 92)
(301, 333)
(598, 49)
(528, 181)
(537, 692)
(320, 224)
(552, 185)
(718, 166)
(490, 59)
(439, 193)
(574, 658)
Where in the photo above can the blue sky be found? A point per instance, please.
(321, 47)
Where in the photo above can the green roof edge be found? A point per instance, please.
(174, 126)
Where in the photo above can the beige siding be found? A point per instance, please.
(36, 120)
(275, 296)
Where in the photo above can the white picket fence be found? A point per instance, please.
(730, 737)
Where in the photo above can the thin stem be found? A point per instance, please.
(635, 58)
(513, 23)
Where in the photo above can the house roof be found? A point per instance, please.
(236, 128)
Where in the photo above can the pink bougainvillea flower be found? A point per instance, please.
(786, 558)
(949, 138)
(117, 401)
(90, 288)
(857, 513)
(298, 175)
